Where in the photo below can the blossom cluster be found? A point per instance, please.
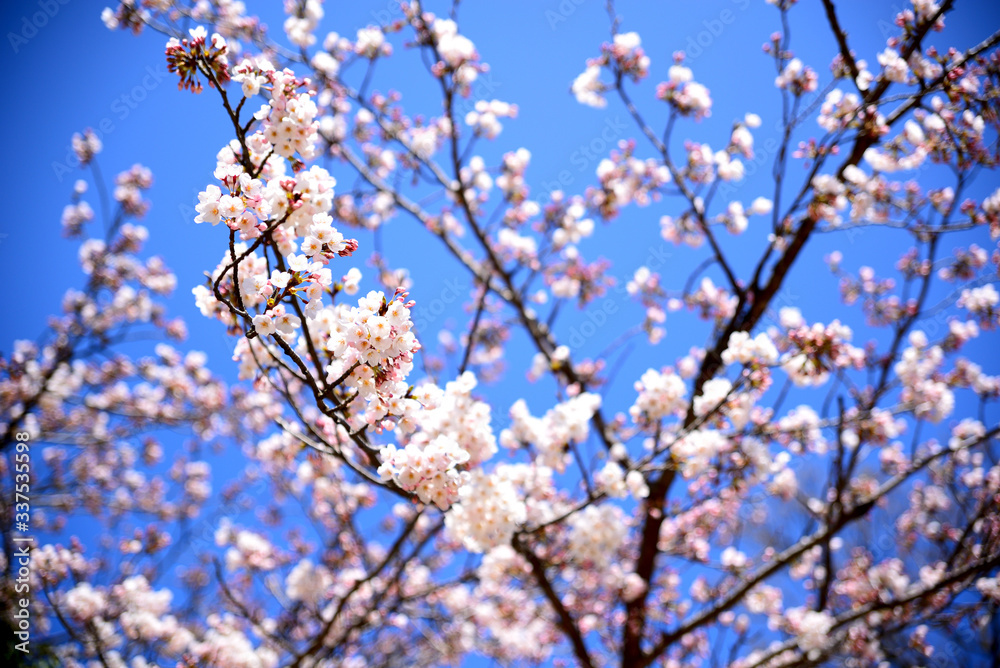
(450, 435)
(684, 94)
(624, 56)
(490, 508)
(597, 533)
(550, 435)
(432, 470)
(660, 394)
(579, 536)
(814, 351)
(187, 57)
(374, 345)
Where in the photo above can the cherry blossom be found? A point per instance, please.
(721, 457)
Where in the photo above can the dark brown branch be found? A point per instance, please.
(566, 622)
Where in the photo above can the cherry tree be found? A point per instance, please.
(769, 489)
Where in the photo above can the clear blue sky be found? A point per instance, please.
(73, 73)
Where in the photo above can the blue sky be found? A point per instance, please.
(73, 73)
